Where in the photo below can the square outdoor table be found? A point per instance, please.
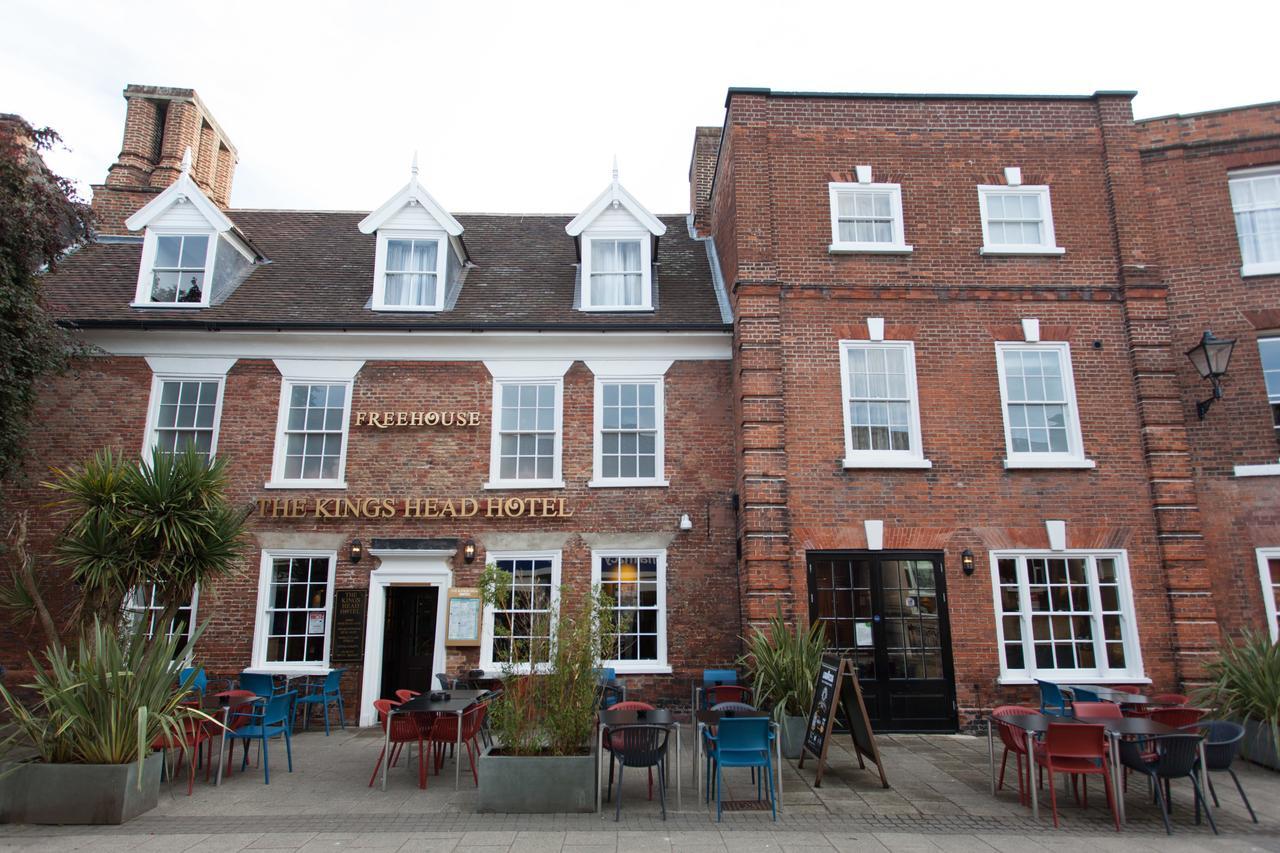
(608, 719)
(1119, 697)
(1033, 724)
(457, 704)
(709, 718)
(222, 703)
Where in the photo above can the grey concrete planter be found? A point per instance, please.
(537, 784)
(1258, 746)
(793, 736)
(79, 793)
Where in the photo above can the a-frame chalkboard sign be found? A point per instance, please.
(837, 687)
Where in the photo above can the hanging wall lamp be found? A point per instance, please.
(469, 551)
(1211, 357)
(357, 550)
(966, 561)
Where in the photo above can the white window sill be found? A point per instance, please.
(1022, 250)
(289, 669)
(885, 462)
(180, 305)
(1267, 268)
(634, 668)
(628, 484)
(615, 308)
(1048, 464)
(1016, 680)
(524, 484)
(305, 484)
(870, 248)
(1271, 469)
(416, 309)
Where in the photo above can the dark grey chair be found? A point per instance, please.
(1221, 746)
(1177, 756)
(640, 746)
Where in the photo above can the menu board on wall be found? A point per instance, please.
(465, 608)
(347, 643)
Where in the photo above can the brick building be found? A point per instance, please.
(911, 365)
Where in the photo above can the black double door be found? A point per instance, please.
(887, 612)
(409, 639)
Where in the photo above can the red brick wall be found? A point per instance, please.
(1186, 161)
(106, 405)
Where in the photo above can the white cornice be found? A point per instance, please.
(412, 191)
(182, 189)
(615, 194)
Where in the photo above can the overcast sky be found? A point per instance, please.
(521, 107)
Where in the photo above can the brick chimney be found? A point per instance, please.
(160, 124)
(702, 171)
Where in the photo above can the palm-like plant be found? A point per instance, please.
(1246, 682)
(784, 664)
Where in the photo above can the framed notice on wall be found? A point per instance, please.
(464, 621)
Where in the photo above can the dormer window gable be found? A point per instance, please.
(189, 247)
(418, 252)
(616, 239)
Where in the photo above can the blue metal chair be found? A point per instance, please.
(200, 682)
(611, 693)
(742, 742)
(1081, 694)
(269, 719)
(262, 683)
(715, 678)
(324, 692)
(1052, 700)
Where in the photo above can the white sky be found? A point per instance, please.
(520, 107)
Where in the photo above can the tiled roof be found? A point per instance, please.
(320, 274)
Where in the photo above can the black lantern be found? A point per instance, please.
(469, 551)
(966, 561)
(357, 550)
(1211, 357)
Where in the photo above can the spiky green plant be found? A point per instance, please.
(1245, 682)
(105, 703)
(784, 663)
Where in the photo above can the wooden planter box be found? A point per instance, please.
(79, 793)
(537, 784)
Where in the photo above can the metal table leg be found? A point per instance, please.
(777, 741)
(1204, 778)
(1117, 776)
(386, 747)
(222, 746)
(679, 788)
(697, 758)
(599, 763)
(991, 755)
(1031, 783)
(457, 756)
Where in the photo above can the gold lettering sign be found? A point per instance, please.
(387, 420)
(413, 507)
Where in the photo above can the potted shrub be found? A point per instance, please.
(1245, 686)
(784, 664)
(103, 692)
(543, 760)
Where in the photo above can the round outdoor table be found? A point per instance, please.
(707, 718)
(613, 719)
(1034, 724)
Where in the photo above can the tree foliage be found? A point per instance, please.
(41, 217)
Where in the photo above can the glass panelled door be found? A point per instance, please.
(887, 612)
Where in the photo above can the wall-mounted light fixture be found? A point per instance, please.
(1211, 357)
(469, 551)
(357, 550)
(686, 523)
(966, 561)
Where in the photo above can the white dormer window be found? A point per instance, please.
(411, 270)
(178, 268)
(417, 250)
(617, 273)
(615, 240)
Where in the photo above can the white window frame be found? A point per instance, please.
(380, 268)
(150, 612)
(898, 246)
(631, 667)
(151, 436)
(487, 663)
(1048, 242)
(913, 458)
(1268, 589)
(261, 628)
(1265, 267)
(1134, 673)
(311, 373)
(150, 243)
(646, 269)
(538, 375)
(598, 479)
(1074, 457)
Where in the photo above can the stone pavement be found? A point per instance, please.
(941, 799)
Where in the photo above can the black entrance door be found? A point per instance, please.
(409, 641)
(887, 611)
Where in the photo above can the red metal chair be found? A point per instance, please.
(1126, 688)
(1169, 699)
(444, 733)
(404, 729)
(728, 693)
(1086, 711)
(1179, 717)
(615, 741)
(194, 733)
(406, 695)
(1014, 741)
(1079, 750)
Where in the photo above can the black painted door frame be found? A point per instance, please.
(866, 591)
